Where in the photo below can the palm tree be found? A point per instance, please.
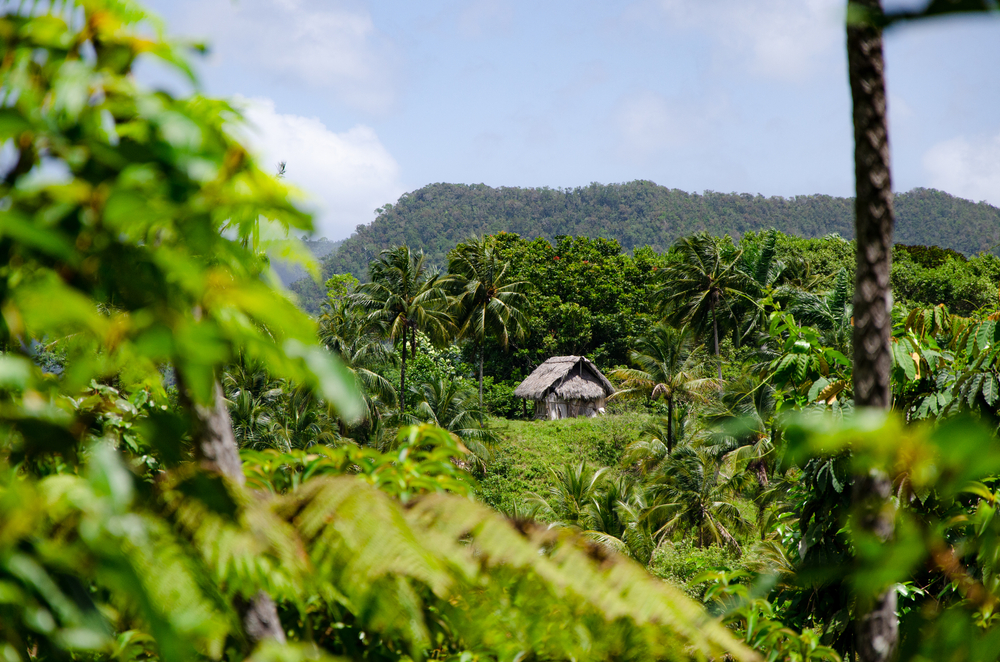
(744, 434)
(346, 330)
(491, 304)
(765, 272)
(570, 494)
(405, 297)
(615, 518)
(831, 312)
(691, 491)
(702, 286)
(670, 366)
(300, 420)
(449, 405)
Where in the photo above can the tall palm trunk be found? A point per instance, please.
(876, 625)
(402, 377)
(670, 424)
(481, 384)
(715, 333)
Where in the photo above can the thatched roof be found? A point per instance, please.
(570, 377)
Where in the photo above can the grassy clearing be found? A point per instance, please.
(529, 449)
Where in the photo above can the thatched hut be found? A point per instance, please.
(566, 387)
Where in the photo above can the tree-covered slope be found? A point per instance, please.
(436, 217)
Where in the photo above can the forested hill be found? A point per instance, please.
(438, 216)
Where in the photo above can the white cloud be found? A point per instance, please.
(966, 169)
(780, 39)
(485, 17)
(345, 175)
(648, 123)
(328, 45)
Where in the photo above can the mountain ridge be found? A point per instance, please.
(436, 217)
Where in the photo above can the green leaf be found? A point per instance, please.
(904, 360)
(22, 229)
(990, 389)
(15, 372)
(109, 476)
(12, 123)
(984, 335)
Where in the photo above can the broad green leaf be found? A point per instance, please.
(903, 360)
(12, 123)
(22, 229)
(15, 372)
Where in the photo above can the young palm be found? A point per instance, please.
(704, 287)
(671, 366)
(405, 297)
(831, 313)
(570, 495)
(744, 434)
(765, 272)
(650, 450)
(491, 304)
(346, 330)
(300, 420)
(449, 405)
(614, 518)
(692, 492)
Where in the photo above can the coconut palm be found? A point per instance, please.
(570, 494)
(743, 426)
(250, 393)
(346, 330)
(650, 450)
(831, 312)
(691, 491)
(703, 287)
(745, 435)
(405, 297)
(614, 518)
(448, 404)
(300, 420)
(765, 272)
(491, 304)
(671, 366)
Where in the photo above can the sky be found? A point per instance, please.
(367, 100)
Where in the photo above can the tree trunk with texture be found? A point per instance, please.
(876, 625)
(215, 445)
(670, 424)
(715, 332)
(402, 377)
(480, 384)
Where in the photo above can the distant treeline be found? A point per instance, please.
(438, 216)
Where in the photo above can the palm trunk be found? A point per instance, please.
(670, 424)
(402, 378)
(215, 447)
(715, 332)
(876, 627)
(480, 376)
(480, 384)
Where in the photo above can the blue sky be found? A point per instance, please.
(366, 100)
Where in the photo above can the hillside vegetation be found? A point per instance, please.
(438, 216)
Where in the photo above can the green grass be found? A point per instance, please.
(529, 449)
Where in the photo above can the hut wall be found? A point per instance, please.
(553, 408)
